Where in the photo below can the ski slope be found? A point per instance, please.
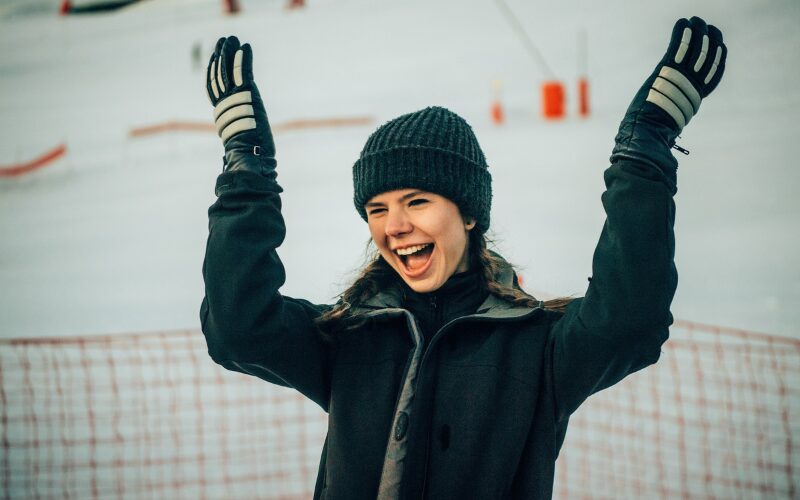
(111, 238)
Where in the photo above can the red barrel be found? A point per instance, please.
(553, 100)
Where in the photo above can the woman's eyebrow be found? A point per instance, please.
(411, 195)
(402, 198)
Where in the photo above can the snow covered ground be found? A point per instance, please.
(111, 238)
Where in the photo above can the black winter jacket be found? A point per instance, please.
(483, 413)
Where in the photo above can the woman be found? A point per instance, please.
(441, 377)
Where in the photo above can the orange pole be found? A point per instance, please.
(583, 97)
(583, 80)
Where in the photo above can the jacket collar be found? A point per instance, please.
(491, 308)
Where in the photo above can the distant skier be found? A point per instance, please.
(197, 48)
(441, 376)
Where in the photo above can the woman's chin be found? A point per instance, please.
(429, 283)
(420, 286)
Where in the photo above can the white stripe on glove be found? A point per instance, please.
(714, 65)
(238, 126)
(237, 68)
(214, 80)
(703, 53)
(676, 95)
(234, 114)
(684, 45)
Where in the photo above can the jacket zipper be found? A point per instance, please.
(425, 470)
(437, 311)
(438, 315)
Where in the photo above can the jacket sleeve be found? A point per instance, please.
(618, 327)
(249, 326)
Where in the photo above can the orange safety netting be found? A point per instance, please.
(151, 416)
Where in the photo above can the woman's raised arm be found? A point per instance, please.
(621, 323)
(249, 326)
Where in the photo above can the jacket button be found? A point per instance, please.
(401, 426)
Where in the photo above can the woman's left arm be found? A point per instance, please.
(621, 323)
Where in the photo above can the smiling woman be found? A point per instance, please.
(421, 235)
(441, 376)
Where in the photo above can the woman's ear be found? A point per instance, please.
(470, 223)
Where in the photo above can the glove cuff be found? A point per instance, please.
(647, 142)
(251, 159)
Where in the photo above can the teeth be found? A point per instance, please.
(410, 250)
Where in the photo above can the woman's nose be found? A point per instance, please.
(397, 223)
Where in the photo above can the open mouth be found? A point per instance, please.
(416, 259)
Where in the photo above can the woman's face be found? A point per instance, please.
(421, 235)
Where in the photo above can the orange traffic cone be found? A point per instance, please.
(496, 110)
(497, 113)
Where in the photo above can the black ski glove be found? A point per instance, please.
(671, 96)
(239, 113)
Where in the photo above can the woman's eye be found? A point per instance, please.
(418, 201)
(376, 211)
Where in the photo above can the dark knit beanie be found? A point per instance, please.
(432, 150)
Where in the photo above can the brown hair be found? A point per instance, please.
(377, 274)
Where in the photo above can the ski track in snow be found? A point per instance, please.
(111, 238)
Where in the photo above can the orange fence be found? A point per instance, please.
(187, 126)
(151, 416)
(39, 162)
(59, 151)
(717, 417)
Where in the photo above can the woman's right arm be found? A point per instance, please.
(249, 326)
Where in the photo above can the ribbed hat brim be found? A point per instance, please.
(438, 171)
